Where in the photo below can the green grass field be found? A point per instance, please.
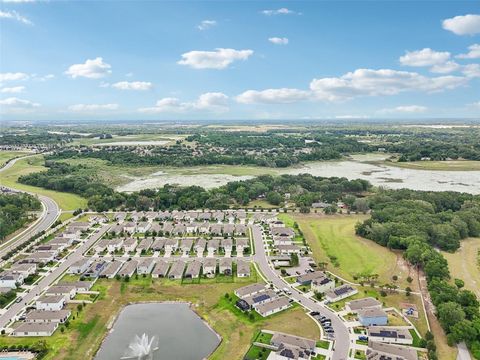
(464, 264)
(32, 164)
(333, 240)
(7, 155)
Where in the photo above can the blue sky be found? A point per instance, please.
(157, 60)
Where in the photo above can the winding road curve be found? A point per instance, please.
(342, 337)
(49, 215)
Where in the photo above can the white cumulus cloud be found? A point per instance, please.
(9, 76)
(12, 90)
(369, 82)
(92, 69)
(14, 102)
(219, 59)
(92, 107)
(471, 70)
(132, 85)
(424, 57)
(206, 24)
(13, 15)
(463, 25)
(474, 52)
(273, 96)
(278, 40)
(212, 101)
(281, 11)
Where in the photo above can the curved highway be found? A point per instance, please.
(342, 338)
(49, 215)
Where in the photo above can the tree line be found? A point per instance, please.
(15, 211)
(420, 223)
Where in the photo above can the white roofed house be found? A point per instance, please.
(54, 302)
(274, 306)
(191, 215)
(205, 216)
(218, 216)
(111, 269)
(120, 217)
(129, 245)
(145, 266)
(156, 228)
(167, 228)
(241, 245)
(210, 267)
(200, 246)
(282, 240)
(130, 227)
(179, 229)
(282, 231)
(340, 293)
(10, 279)
(186, 246)
(151, 215)
(191, 228)
(225, 266)
(228, 229)
(25, 269)
(289, 249)
(39, 257)
(227, 245)
(159, 244)
(322, 284)
(80, 266)
(216, 229)
(143, 227)
(193, 269)
(241, 216)
(114, 245)
(243, 268)
(145, 245)
(35, 329)
(72, 233)
(47, 316)
(171, 245)
(177, 270)
(240, 229)
(68, 291)
(212, 247)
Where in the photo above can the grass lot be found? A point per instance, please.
(128, 138)
(7, 155)
(86, 331)
(9, 178)
(261, 204)
(333, 237)
(453, 165)
(463, 264)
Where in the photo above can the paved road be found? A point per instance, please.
(49, 215)
(342, 340)
(51, 277)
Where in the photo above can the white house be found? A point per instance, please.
(35, 329)
(46, 302)
(145, 266)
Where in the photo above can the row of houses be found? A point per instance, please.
(172, 245)
(180, 228)
(160, 268)
(283, 238)
(264, 301)
(190, 215)
(50, 310)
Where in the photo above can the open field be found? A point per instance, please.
(9, 178)
(7, 155)
(464, 264)
(452, 165)
(140, 139)
(86, 332)
(333, 240)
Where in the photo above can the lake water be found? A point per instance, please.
(358, 167)
(179, 332)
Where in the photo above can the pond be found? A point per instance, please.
(164, 330)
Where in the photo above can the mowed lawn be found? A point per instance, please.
(7, 155)
(32, 164)
(86, 332)
(333, 236)
(464, 264)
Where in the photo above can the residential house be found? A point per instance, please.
(96, 268)
(10, 279)
(210, 267)
(46, 302)
(225, 266)
(382, 351)
(186, 246)
(129, 245)
(114, 245)
(227, 245)
(68, 291)
(282, 240)
(212, 247)
(35, 329)
(159, 244)
(390, 334)
(111, 269)
(249, 290)
(199, 247)
(143, 227)
(128, 268)
(365, 303)
(307, 278)
(80, 266)
(130, 227)
(160, 269)
(145, 266)
(289, 249)
(216, 229)
(272, 307)
(228, 229)
(177, 270)
(322, 285)
(179, 229)
(243, 268)
(49, 316)
(340, 293)
(171, 245)
(241, 245)
(25, 269)
(145, 244)
(193, 269)
(240, 229)
(372, 317)
(282, 231)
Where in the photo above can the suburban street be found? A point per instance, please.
(342, 339)
(50, 213)
(52, 276)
